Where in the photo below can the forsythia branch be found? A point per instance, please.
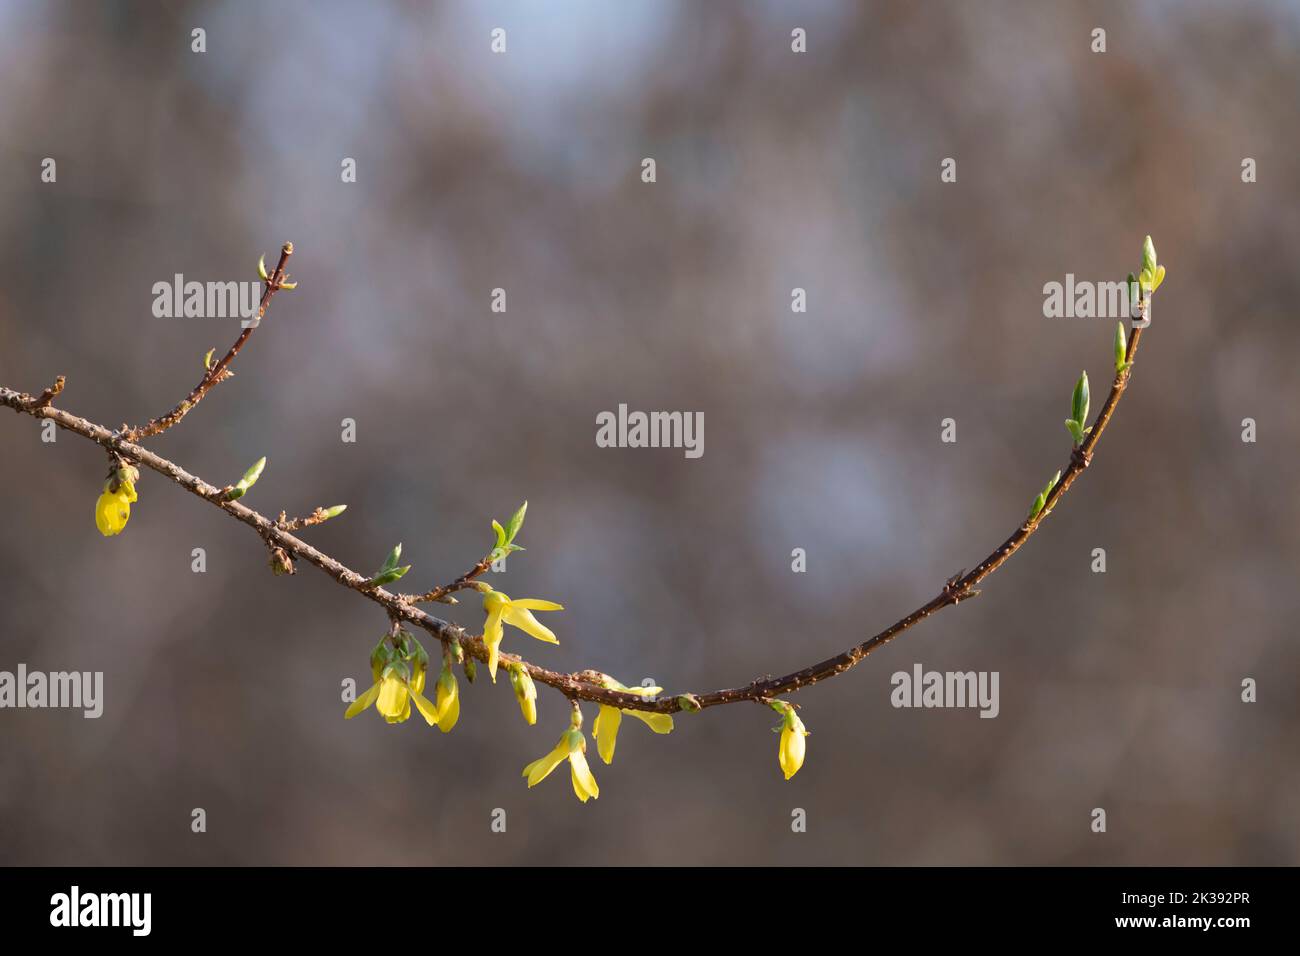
(955, 590)
(458, 646)
(397, 607)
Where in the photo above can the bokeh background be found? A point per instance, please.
(775, 170)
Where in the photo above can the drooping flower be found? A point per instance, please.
(393, 693)
(790, 754)
(501, 609)
(113, 509)
(573, 745)
(111, 513)
(448, 700)
(605, 727)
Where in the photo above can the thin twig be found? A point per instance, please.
(578, 686)
(218, 372)
(48, 396)
(319, 516)
(442, 593)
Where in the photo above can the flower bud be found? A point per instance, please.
(448, 700)
(791, 752)
(525, 692)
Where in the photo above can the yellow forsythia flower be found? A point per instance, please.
(791, 752)
(113, 508)
(393, 694)
(448, 700)
(500, 609)
(394, 701)
(605, 727)
(112, 512)
(572, 745)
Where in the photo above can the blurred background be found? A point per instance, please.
(775, 170)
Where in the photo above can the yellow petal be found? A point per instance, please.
(534, 604)
(393, 696)
(528, 706)
(492, 632)
(659, 723)
(449, 717)
(129, 489)
(605, 730)
(362, 702)
(541, 768)
(523, 619)
(404, 715)
(111, 513)
(792, 747)
(101, 514)
(448, 702)
(426, 707)
(584, 783)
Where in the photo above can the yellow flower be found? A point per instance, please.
(448, 700)
(394, 701)
(414, 691)
(525, 692)
(113, 508)
(500, 609)
(572, 745)
(393, 693)
(112, 512)
(605, 726)
(791, 752)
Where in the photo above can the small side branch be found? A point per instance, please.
(219, 371)
(47, 397)
(443, 592)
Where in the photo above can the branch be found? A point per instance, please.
(958, 588)
(220, 371)
(270, 531)
(112, 512)
(583, 685)
(443, 592)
